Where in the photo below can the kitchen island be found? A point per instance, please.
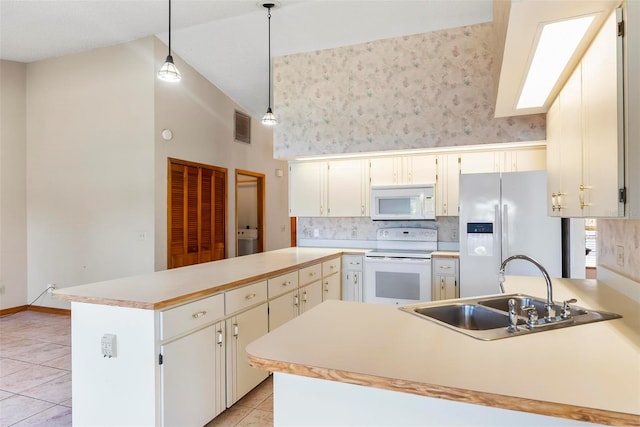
(168, 348)
(369, 364)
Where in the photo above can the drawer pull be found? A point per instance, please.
(249, 296)
(445, 267)
(219, 340)
(198, 314)
(313, 273)
(287, 283)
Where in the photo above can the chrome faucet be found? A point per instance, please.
(548, 306)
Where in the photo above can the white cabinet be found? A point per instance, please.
(445, 278)
(192, 362)
(331, 280)
(447, 185)
(585, 156)
(307, 194)
(337, 188)
(417, 169)
(347, 188)
(242, 329)
(193, 377)
(515, 160)
(352, 277)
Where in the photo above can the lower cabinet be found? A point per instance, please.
(193, 377)
(283, 308)
(242, 329)
(444, 281)
(331, 287)
(310, 296)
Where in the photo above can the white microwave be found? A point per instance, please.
(403, 202)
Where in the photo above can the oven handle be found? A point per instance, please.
(396, 259)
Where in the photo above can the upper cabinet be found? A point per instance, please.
(417, 169)
(336, 188)
(516, 160)
(585, 135)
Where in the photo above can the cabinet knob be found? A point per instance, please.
(198, 314)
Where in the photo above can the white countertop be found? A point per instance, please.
(588, 372)
(169, 287)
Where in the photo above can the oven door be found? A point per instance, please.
(397, 281)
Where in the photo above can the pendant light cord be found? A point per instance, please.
(269, 39)
(169, 27)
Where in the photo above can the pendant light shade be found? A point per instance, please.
(269, 118)
(169, 72)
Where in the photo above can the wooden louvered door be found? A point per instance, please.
(196, 213)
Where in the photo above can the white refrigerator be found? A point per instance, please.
(504, 214)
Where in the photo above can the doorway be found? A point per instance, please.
(250, 189)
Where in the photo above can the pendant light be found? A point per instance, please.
(269, 118)
(169, 72)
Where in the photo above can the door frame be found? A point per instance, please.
(260, 185)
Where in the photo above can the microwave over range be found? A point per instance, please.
(403, 202)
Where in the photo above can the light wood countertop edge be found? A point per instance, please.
(193, 295)
(578, 413)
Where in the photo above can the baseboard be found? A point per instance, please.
(38, 308)
(12, 310)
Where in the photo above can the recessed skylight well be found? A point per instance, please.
(556, 44)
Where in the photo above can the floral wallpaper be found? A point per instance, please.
(624, 233)
(428, 90)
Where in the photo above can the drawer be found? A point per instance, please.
(281, 284)
(444, 266)
(330, 267)
(244, 297)
(184, 318)
(310, 274)
(352, 262)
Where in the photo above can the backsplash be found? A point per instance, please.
(427, 90)
(616, 234)
(365, 229)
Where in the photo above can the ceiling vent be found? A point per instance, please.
(242, 128)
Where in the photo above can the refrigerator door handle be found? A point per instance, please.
(505, 232)
(497, 233)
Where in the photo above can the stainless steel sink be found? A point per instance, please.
(466, 316)
(487, 318)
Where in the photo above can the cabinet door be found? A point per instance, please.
(384, 170)
(571, 145)
(306, 189)
(192, 377)
(447, 186)
(346, 195)
(480, 162)
(602, 142)
(241, 330)
(331, 287)
(449, 287)
(352, 286)
(554, 165)
(310, 296)
(283, 309)
(421, 169)
(526, 159)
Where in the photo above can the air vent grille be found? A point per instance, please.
(242, 128)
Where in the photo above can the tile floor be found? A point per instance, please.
(35, 377)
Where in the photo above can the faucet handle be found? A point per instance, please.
(532, 314)
(566, 310)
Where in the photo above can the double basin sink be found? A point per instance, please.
(487, 318)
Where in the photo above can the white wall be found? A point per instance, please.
(13, 227)
(201, 118)
(90, 169)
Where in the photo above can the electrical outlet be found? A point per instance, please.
(108, 345)
(316, 232)
(354, 232)
(454, 234)
(620, 255)
(51, 287)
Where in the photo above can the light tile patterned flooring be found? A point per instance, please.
(35, 377)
